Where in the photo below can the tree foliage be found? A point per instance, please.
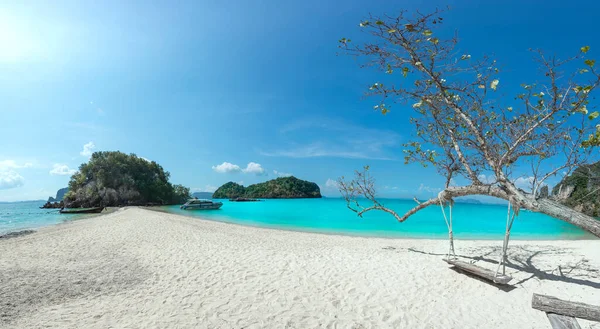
(465, 126)
(279, 188)
(116, 178)
(229, 190)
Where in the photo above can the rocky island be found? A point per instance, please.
(279, 188)
(119, 179)
(580, 190)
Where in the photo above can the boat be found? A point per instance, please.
(95, 210)
(201, 204)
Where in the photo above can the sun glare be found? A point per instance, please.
(15, 43)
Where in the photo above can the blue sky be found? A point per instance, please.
(195, 84)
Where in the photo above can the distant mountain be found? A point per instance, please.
(202, 195)
(279, 188)
(60, 194)
(472, 201)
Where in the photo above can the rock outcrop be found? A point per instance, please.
(581, 190)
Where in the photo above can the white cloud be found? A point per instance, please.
(62, 170)
(525, 183)
(428, 189)
(254, 168)
(251, 168)
(487, 179)
(335, 138)
(226, 167)
(241, 182)
(11, 164)
(88, 149)
(10, 179)
(319, 149)
(281, 174)
(331, 184)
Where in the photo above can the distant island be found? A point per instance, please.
(202, 195)
(60, 194)
(279, 188)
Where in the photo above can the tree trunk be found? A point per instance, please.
(569, 215)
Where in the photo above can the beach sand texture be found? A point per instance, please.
(137, 268)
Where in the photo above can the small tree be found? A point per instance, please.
(465, 128)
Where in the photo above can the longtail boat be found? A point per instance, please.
(95, 210)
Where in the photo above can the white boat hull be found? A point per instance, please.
(213, 206)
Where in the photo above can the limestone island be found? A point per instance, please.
(279, 188)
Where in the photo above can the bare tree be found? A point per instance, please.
(466, 128)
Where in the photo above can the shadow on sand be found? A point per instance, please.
(522, 258)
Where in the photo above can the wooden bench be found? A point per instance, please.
(479, 271)
(562, 314)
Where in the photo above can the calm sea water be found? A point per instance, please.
(27, 215)
(330, 215)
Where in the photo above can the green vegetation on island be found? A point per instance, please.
(279, 188)
(581, 190)
(117, 179)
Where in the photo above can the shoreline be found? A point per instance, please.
(141, 268)
(500, 237)
(28, 229)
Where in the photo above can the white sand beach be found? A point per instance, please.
(136, 268)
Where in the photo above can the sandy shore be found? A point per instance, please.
(142, 269)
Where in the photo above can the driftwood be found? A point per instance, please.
(480, 271)
(550, 304)
(562, 321)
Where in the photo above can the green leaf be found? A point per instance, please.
(463, 57)
(583, 71)
(389, 69)
(391, 30)
(404, 71)
(435, 41)
(379, 22)
(427, 33)
(585, 49)
(409, 27)
(363, 24)
(590, 62)
(593, 115)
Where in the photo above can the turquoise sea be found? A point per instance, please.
(330, 215)
(17, 216)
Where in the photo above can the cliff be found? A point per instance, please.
(581, 190)
(60, 194)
